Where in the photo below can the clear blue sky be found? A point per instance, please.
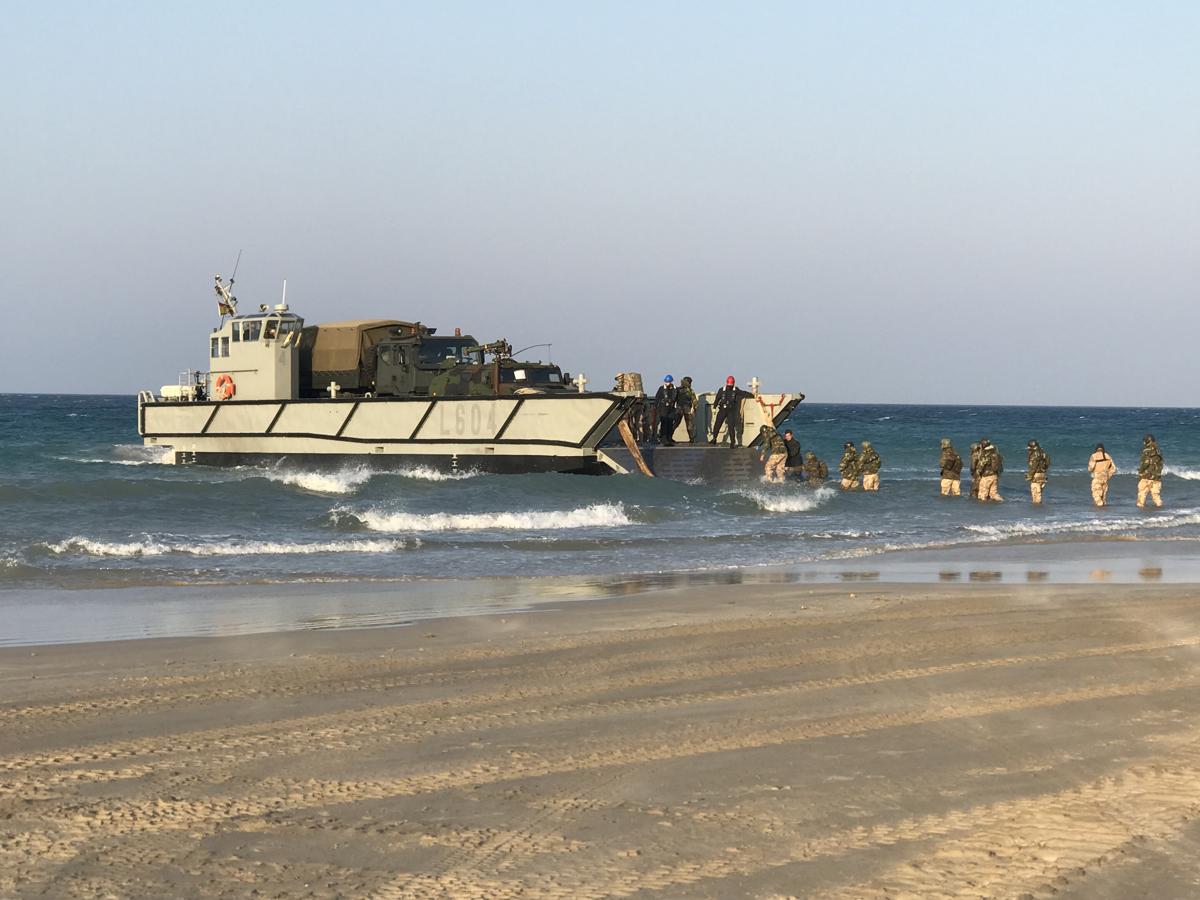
(896, 202)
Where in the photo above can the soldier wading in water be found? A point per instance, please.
(991, 464)
(774, 451)
(951, 466)
(869, 464)
(1150, 471)
(815, 470)
(848, 466)
(1039, 465)
(1102, 467)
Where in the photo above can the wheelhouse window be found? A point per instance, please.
(224, 346)
(236, 332)
(269, 329)
(215, 347)
(251, 329)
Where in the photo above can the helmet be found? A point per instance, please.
(945, 442)
(729, 379)
(866, 443)
(1032, 444)
(668, 378)
(847, 445)
(1148, 439)
(687, 379)
(810, 455)
(764, 429)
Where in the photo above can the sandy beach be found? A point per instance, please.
(869, 741)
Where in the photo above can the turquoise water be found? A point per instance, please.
(86, 507)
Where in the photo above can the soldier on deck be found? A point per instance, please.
(869, 464)
(991, 465)
(1039, 465)
(975, 454)
(665, 406)
(728, 404)
(685, 403)
(815, 470)
(774, 451)
(951, 470)
(1102, 467)
(848, 466)
(1150, 471)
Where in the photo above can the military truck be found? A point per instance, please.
(390, 358)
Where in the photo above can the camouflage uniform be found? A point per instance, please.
(1150, 471)
(951, 466)
(848, 467)
(774, 451)
(685, 400)
(975, 454)
(815, 470)
(991, 464)
(869, 464)
(1039, 465)
(1102, 467)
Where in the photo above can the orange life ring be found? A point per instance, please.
(224, 387)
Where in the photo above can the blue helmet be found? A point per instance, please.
(668, 378)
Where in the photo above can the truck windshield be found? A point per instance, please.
(435, 351)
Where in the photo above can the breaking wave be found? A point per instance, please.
(786, 502)
(1082, 526)
(598, 515)
(151, 547)
(346, 481)
(1181, 472)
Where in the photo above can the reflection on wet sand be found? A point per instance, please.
(985, 576)
(859, 576)
(1036, 576)
(1100, 575)
(949, 576)
(1150, 573)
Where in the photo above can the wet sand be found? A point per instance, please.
(852, 741)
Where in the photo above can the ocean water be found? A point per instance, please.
(86, 506)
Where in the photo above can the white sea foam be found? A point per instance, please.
(128, 455)
(1007, 530)
(785, 501)
(344, 481)
(1181, 472)
(598, 515)
(151, 547)
(425, 473)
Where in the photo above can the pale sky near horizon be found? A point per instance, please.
(925, 202)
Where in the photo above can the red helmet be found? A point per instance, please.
(729, 380)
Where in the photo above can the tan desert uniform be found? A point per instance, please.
(848, 467)
(1102, 467)
(775, 451)
(951, 465)
(869, 464)
(1039, 465)
(1150, 471)
(991, 464)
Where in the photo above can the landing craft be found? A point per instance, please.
(395, 394)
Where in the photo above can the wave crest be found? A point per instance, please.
(597, 515)
(150, 547)
(787, 502)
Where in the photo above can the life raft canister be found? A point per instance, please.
(224, 387)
